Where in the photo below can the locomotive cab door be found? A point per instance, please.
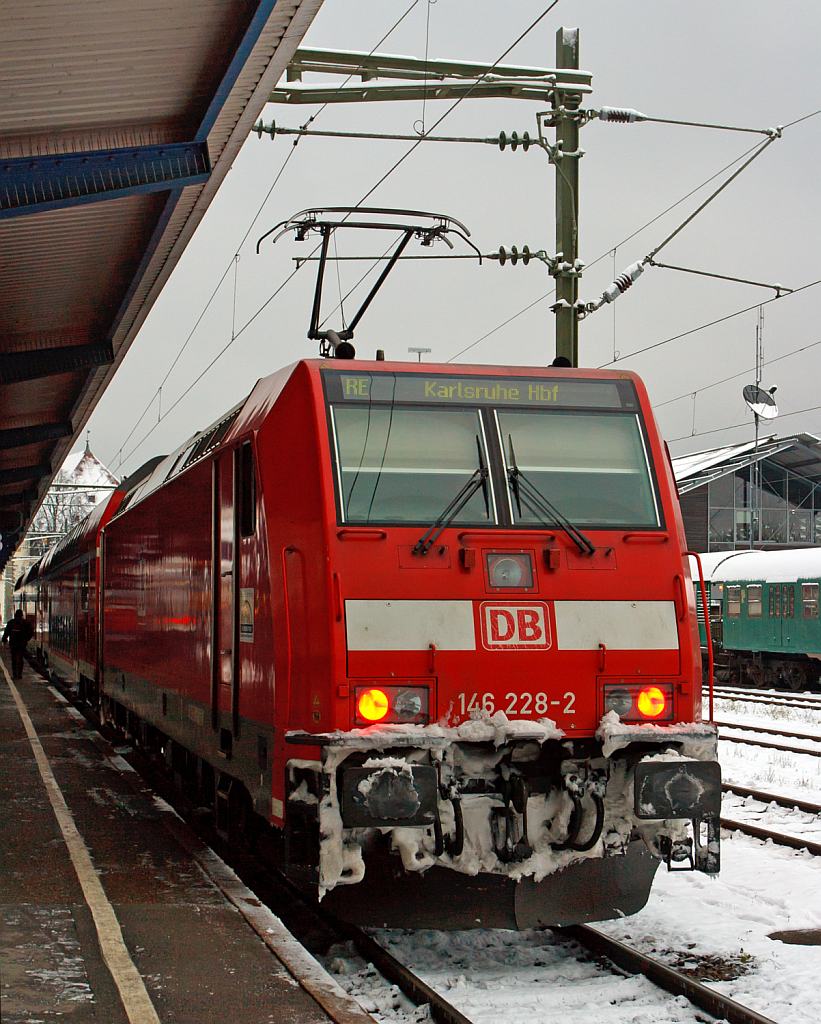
(224, 673)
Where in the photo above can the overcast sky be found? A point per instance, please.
(741, 62)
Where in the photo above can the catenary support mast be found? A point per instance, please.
(562, 86)
(566, 158)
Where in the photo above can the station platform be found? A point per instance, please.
(111, 910)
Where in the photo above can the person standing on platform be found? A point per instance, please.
(17, 634)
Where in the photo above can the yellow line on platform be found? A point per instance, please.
(135, 998)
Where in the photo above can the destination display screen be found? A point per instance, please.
(447, 389)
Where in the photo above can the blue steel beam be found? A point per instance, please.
(258, 21)
(32, 184)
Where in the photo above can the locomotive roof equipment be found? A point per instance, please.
(410, 223)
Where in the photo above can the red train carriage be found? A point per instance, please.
(61, 596)
(435, 626)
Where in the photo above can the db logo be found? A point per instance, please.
(515, 626)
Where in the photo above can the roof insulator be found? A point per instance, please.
(514, 141)
(622, 282)
(621, 115)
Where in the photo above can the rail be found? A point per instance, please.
(769, 702)
(769, 746)
(779, 838)
(671, 980)
(769, 730)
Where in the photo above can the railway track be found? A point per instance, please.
(768, 730)
(764, 743)
(319, 931)
(806, 695)
(766, 797)
(779, 838)
(769, 702)
(757, 832)
(671, 980)
(785, 698)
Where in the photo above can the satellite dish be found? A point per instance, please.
(760, 402)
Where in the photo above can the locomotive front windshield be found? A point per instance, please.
(401, 464)
(406, 445)
(590, 465)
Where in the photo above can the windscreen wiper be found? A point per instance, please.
(477, 479)
(527, 493)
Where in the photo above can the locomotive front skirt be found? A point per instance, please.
(437, 628)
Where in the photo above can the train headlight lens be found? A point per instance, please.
(651, 702)
(618, 700)
(408, 704)
(394, 705)
(509, 569)
(639, 701)
(372, 705)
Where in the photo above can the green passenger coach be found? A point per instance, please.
(770, 630)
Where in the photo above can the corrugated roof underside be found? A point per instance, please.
(133, 70)
(70, 269)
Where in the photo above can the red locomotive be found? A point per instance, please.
(433, 624)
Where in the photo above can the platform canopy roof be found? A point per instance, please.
(800, 453)
(118, 122)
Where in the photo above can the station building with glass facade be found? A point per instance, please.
(744, 496)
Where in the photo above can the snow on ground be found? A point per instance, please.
(761, 889)
(776, 771)
(493, 975)
(690, 920)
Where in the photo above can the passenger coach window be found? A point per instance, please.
(734, 601)
(402, 464)
(754, 601)
(809, 598)
(591, 465)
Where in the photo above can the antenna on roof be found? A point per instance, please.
(763, 407)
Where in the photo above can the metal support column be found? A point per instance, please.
(566, 158)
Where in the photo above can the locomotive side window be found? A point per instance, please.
(809, 599)
(734, 601)
(754, 606)
(591, 465)
(247, 491)
(405, 464)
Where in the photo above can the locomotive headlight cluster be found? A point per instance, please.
(640, 702)
(392, 705)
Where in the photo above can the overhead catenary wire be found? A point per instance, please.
(743, 423)
(628, 238)
(456, 103)
(626, 115)
(714, 195)
(804, 117)
(625, 280)
(598, 259)
(735, 376)
(710, 323)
